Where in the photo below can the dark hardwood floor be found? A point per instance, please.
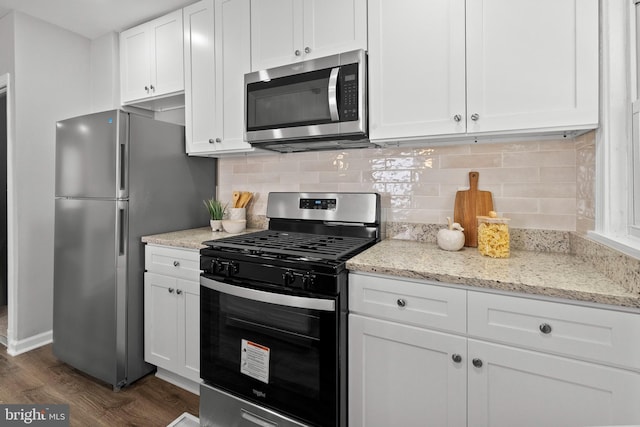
(38, 377)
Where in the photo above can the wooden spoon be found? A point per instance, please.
(236, 198)
(248, 197)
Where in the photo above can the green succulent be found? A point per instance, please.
(216, 208)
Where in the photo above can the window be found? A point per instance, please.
(618, 137)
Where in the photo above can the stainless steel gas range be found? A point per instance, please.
(274, 312)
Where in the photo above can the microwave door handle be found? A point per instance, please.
(333, 94)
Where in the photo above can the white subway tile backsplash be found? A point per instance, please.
(491, 160)
(539, 159)
(546, 184)
(558, 174)
(540, 190)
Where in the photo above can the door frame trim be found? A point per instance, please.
(12, 230)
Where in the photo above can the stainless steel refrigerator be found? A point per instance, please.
(119, 176)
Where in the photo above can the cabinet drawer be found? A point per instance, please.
(416, 303)
(584, 332)
(176, 262)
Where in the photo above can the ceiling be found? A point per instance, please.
(93, 18)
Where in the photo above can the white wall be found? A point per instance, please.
(105, 73)
(52, 82)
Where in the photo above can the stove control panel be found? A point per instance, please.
(324, 204)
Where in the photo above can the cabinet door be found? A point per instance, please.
(276, 33)
(333, 26)
(200, 76)
(233, 29)
(161, 321)
(167, 70)
(404, 376)
(134, 64)
(524, 388)
(416, 68)
(531, 64)
(188, 295)
(217, 56)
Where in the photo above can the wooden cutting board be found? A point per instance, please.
(468, 205)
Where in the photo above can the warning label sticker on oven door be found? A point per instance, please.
(254, 361)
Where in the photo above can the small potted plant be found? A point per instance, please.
(216, 212)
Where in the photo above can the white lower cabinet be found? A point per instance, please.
(172, 313)
(516, 387)
(405, 376)
(513, 364)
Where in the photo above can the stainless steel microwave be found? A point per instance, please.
(310, 105)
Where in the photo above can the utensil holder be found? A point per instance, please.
(238, 213)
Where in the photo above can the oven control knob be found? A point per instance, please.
(217, 266)
(230, 268)
(288, 277)
(308, 280)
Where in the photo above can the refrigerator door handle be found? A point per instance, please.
(123, 155)
(121, 229)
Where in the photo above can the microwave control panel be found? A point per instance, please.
(349, 92)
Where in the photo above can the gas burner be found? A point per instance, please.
(303, 246)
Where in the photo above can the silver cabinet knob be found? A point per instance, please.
(176, 263)
(475, 117)
(401, 302)
(152, 88)
(218, 139)
(307, 49)
(146, 88)
(457, 117)
(171, 290)
(545, 328)
(297, 52)
(211, 141)
(179, 292)
(477, 363)
(456, 358)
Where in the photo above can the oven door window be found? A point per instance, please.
(298, 100)
(275, 355)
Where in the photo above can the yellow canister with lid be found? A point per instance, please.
(493, 236)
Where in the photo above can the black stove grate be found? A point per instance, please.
(315, 246)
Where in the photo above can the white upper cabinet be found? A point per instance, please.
(217, 55)
(151, 59)
(531, 64)
(441, 68)
(416, 68)
(287, 31)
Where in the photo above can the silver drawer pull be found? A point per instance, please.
(401, 302)
(545, 328)
(176, 263)
(171, 290)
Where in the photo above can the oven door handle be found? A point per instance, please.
(269, 297)
(333, 94)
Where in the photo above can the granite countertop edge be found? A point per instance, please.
(189, 239)
(526, 272)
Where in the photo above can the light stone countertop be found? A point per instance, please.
(538, 273)
(189, 239)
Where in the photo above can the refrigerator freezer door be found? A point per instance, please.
(89, 287)
(91, 156)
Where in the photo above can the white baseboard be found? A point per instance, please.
(16, 347)
(180, 381)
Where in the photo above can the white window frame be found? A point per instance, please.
(615, 193)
